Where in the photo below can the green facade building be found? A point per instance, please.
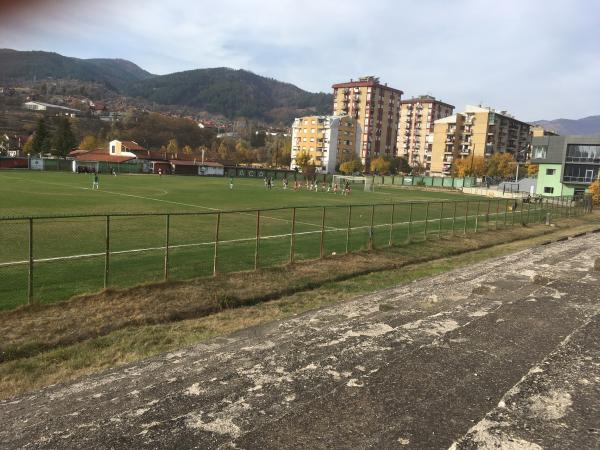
(567, 164)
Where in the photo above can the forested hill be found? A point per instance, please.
(18, 66)
(231, 93)
(228, 92)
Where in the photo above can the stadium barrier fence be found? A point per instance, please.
(47, 259)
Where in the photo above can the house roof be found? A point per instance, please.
(132, 145)
(101, 155)
(77, 152)
(149, 154)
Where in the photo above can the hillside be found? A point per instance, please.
(231, 93)
(18, 66)
(588, 125)
(219, 91)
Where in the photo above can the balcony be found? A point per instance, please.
(578, 180)
(584, 159)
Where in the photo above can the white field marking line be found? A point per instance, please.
(164, 201)
(209, 208)
(199, 244)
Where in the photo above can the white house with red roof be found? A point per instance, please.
(124, 148)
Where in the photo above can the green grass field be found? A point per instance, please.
(69, 252)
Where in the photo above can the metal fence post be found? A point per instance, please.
(107, 254)
(497, 214)
(477, 215)
(426, 220)
(167, 229)
(293, 236)
(410, 214)
(454, 218)
(441, 217)
(257, 245)
(322, 243)
(348, 228)
(371, 230)
(487, 216)
(466, 217)
(528, 210)
(30, 274)
(392, 224)
(216, 252)
(505, 211)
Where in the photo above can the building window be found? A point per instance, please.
(550, 171)
(548, 190)
(312, 130)
(540, 151)
(583, 153)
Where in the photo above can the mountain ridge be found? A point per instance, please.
(589, 125)
(229, 92)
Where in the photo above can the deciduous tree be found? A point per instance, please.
(380, 166)
(469, 167)
(595, 191)
(532, 170)
(352, 166)
(89, 142)
(501, 165)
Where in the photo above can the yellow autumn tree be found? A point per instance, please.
(380, 166)
(595, 191)
(469, 167)
(501, 165)
(532, 170)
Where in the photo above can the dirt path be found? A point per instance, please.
(500, 353)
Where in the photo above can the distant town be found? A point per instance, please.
(371, 129)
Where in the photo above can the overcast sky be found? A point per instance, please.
(539, 59)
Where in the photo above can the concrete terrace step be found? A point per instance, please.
(414, 366)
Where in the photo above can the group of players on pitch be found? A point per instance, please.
(311, 185)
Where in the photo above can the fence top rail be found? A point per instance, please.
(224, 211)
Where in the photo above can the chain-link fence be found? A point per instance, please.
(49, 259)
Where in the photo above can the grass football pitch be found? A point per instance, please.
(70, 252)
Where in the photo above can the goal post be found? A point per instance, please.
(366, 183)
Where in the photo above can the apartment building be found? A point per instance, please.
(375, 107)
(538, 130)
(327, 139)
(567, 164)
(415, 130)
(478, 131)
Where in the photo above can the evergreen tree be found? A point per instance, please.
(41, 138)
(63, 140)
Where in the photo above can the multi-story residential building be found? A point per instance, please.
(376, 109)
(538, 130)
(415, 130)
(567, 164)
(477, 131)
(327, 139)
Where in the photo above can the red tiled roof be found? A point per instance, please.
(149, 154)
(131, 145)
(78, 152)
(101, 155)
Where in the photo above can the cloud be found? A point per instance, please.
(536, 58)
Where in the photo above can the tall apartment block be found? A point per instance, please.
(376, 110)
(477, 131)
(327, 139)
(415, 131)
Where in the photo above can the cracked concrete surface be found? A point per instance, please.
(502, 354)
